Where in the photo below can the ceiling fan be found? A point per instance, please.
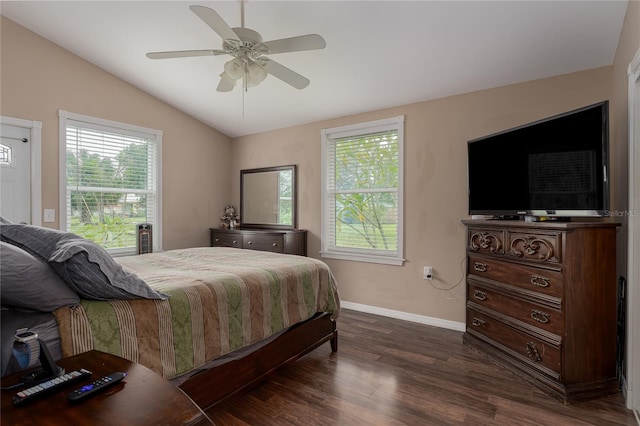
(249, 62)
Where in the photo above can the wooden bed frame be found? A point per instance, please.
(217, 383)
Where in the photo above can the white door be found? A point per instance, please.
(633, 263)
(15, 173)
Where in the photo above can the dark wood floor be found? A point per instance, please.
(392, 372)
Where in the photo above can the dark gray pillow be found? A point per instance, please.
(38, 241)
(29, 283)
(93, 274)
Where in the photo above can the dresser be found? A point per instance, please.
(542, 300)
(278, 241)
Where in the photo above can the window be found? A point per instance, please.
(6, 155)
(109, 181)
(362, 192)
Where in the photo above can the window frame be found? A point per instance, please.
(153, 135)
(328, 248)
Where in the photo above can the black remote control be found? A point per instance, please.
(97, 386)
(50, 386)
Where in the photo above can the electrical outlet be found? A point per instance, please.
(427, 273)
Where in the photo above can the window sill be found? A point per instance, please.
(363, 258)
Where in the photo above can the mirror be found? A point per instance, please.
(268, 198)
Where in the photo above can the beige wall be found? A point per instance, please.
(38, 78)
(436, 135)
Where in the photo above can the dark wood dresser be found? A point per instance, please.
(278, 241)
(542, 300)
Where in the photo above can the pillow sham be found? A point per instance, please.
(93, 274)
(29, 283)
(85, 266)
(37, 240)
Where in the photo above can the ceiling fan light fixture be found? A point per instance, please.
(234, 69)
(255, 74)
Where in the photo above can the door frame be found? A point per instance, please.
(35, 131)
(633, 268)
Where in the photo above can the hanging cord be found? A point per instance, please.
(441, 289)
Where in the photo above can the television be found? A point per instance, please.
(552, 168)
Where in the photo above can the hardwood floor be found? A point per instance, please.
(392, 372)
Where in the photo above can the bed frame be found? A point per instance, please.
(217, 383)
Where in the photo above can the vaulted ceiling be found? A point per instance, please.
(378, 53)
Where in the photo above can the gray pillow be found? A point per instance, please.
(29, 283)
(85, 266)
(93, 274)
(40, 242)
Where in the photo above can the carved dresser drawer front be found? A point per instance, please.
(537, 315)
(537, 247)
(535, 352)
(263, 242)
(486, 241)
(226, 240)
(530, 278)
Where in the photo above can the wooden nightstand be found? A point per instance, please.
(142, 398)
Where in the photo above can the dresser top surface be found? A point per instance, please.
(541, 225)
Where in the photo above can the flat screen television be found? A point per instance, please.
(556, 167)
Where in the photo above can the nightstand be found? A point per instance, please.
(142, 398)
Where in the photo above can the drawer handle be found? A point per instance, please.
(480, 267)
(540, 281)
(249, 242)
(234, 242)
(275, 244)
(477, 322)
(480, 295)
(540, 316)
(533, 352)
(217, 240)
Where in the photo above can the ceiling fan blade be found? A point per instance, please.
(226, 83)
(184, 53)
(217, 24)
(296, 44)
(286, 74)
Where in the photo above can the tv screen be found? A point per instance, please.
(553, 167)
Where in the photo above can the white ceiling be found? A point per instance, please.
(379, 53)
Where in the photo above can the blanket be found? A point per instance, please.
(221, 299)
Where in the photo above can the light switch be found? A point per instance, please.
(49, 215)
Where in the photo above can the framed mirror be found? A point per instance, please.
(268, 197)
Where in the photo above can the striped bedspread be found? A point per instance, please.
(221, 299)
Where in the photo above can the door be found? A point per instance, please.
(633, 261)
(15, 173)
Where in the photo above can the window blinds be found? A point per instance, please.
(112, 179)
(362, 215)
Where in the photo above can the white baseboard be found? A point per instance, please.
(421, 319)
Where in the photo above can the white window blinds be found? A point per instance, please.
(362, 193)
(111, 180)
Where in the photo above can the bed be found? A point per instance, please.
(213, 320)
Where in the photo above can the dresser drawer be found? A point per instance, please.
(544, 281)
(535, 314)
(542, 355)
(263, 242)
(486, 241)
(225, 240)
(534, 246)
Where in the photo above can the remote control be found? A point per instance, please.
(50, 386)
(97, 386)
